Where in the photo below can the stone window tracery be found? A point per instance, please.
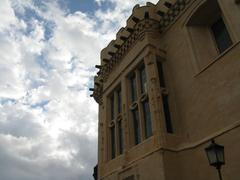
(116, 144)
(139, 105)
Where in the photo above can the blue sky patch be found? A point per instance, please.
(7, 100)
(43, 62)
(40, 104)
(85, 6)
(31, 15)
(49, 30)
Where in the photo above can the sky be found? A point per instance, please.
(48, 50)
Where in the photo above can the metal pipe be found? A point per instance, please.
(219, 173)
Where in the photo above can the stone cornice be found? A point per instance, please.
(146, 25)
(149, 18)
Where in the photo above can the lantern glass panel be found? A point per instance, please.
(211, 154)
(220, 154)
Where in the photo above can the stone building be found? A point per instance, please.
(166, 86)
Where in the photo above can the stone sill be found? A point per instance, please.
(217, 58)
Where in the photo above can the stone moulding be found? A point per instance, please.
(149, 18)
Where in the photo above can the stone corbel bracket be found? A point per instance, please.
(98, 89)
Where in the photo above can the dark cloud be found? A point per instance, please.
(83, 147)
(16, 166)
(18, 122)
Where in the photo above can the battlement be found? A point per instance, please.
(151, 17)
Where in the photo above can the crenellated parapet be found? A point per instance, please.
(116, 55)
(148, 18)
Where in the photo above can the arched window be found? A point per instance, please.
(208, 33)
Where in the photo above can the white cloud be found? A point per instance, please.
(34, 41)
(7, 17)
(48, 122)
(11, 71)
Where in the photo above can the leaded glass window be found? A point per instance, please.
(147, 119)
(136, 126)
(139, 105)
(143, 79)
(221, 35)
(165, 103)
(120, 137)
(133, 87)
(113, 144)
(115, 123)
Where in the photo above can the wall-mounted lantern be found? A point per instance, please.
(215, 154)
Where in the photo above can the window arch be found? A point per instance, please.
(208, 32)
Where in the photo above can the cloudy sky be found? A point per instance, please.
(48, 49)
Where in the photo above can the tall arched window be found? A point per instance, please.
(209, 33)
